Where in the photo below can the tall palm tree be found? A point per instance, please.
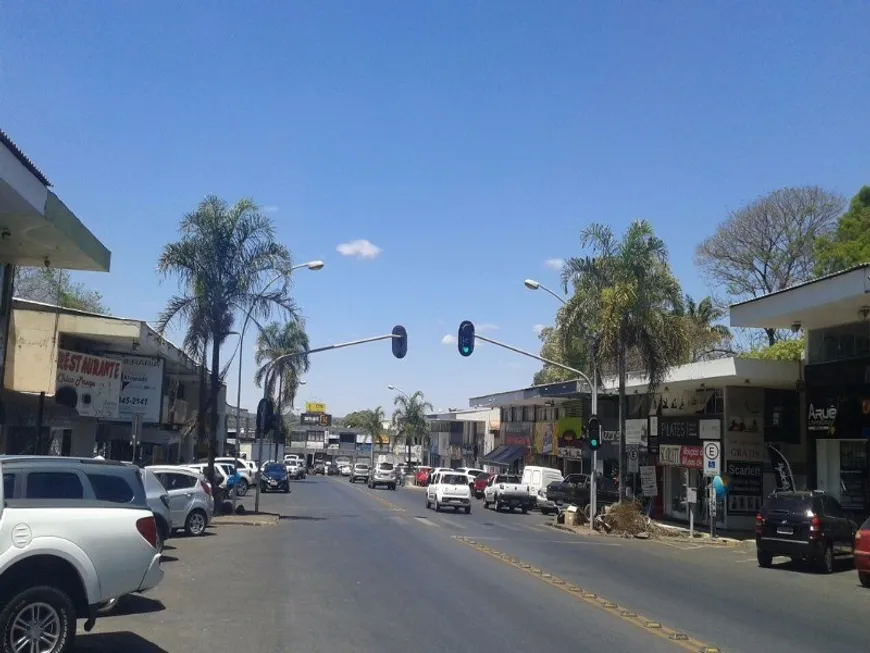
(706, 338)
(373, 424)
(223, 260)
(276, 340)
(409, 418)
(626, 300)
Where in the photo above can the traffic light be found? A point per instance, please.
(400, 341)
(265, 415)
(594, 431)
(465, 341)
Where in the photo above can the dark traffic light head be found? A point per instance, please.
(400, 341)
(465, 341)
(594, 433)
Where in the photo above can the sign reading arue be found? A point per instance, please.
(141, 389)
(90, 384)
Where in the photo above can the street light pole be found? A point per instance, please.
(531, 284)
(405, 394)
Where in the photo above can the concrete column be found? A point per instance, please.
(84, 438)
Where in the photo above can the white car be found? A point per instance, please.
(191, 504)
(449, 489)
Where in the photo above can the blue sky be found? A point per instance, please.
(469, 141)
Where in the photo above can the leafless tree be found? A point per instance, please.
(769, 244)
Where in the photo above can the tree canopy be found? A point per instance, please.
(849, 244)
(784, 350)
(52, 286)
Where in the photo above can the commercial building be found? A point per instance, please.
(459, 438)
(833, 312)
(36, 230)
(77, 383)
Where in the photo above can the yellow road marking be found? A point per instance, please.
(389, 505)
(678, 638)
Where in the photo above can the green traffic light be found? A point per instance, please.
(465, 350)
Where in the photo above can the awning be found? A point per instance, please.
(504, 455)
(22, 409)
(123, 433)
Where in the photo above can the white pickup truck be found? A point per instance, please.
(506, 490)
(74, 534)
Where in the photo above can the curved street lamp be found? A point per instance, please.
(531, 284)
(399, 390)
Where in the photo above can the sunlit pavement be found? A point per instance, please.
(353, 569)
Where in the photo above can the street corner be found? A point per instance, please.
(260, 519)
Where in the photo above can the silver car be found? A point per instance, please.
(191, 504)
(383, 474)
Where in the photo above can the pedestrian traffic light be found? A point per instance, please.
(400, 341)
(594, 431)
(465, 341)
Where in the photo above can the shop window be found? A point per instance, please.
(838, 343)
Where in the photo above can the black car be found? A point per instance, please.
(810, 526)
(274, 478)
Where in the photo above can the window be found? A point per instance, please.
(8, 486)
(454, 479)
(54, 485)
(173, 481)
(110, 488)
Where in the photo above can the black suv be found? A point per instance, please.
(809, 526)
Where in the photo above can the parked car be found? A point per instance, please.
(113, 539)
(421, 476)
(862, 553)
(575, 489)
(319, 468)
(383, 474)
(331, 469)
(275, 478)
(479, 485)
(191, 503)
(539, 478)
(294, 469)
(158, 500)
(810, 526)
(449, 489)
(360, 472)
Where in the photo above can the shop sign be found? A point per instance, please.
(648, 485)
(745, 486)
(517, 434)
(678, 430)
(636, 433)
(547, 440)
(821, 415)
(742, 447)
(692, 457)
(669, 455)
(141, 389)
(315, 407)
(90, 384)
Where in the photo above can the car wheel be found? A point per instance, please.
(41, 618)
(545, 511)
(243, 488)
(195, 523)
(864, 578)
(287, 490)
(437, 506)
(393, 486)
(525, 510)
(765, 558)
(428, 505)
(467, 510)
(486, 504)
(827, 561)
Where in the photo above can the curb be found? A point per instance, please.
(233, 520)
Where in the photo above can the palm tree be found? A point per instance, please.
(626, 300)
(373, 424)
(409, 418)
(223, 259)
(276, 340)
(706, 338)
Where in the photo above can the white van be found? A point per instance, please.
(538, 478)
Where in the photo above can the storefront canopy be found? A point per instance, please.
(504, 455)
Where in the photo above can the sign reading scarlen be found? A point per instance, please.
(90, 384)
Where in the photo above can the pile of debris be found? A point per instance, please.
(627, 519)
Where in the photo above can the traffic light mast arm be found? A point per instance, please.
(516, 350)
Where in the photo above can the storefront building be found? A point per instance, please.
(834, 406)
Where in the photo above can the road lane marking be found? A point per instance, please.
(456, 525)
(678, 638)
(400, 520)
(389, 505)
(427, 521)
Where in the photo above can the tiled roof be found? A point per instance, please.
(27, 163)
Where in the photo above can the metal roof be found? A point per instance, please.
(22, 157)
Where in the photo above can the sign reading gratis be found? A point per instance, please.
(141, 389)
(90, 384)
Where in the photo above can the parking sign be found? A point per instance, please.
(712, 459)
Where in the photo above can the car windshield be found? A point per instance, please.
(792, 504)
(274, 467)
(504, 478)
(453, 479)
(361, 466)
(385, 466)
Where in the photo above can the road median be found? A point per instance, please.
(261, 519)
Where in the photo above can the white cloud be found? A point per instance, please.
(537, 328)
(486, 327)
(448, 339)
(555, 263)
(269, 209)
(361, 249)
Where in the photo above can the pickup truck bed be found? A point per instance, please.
(504, 493)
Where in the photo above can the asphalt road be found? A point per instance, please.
(348, 569)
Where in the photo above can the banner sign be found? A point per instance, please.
(316, 419)
(141, 389)
(90, 384)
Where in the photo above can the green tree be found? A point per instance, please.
(52, 286)
(409, 419)
(353, 420)
(850, 244)
(706, 338)
(223, 260)
(274, 341)
(626, 298)
(568, 353)
(784, 350)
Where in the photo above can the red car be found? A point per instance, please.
(479, 485)
(421, 478)
(862, 553)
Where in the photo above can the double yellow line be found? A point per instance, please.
(676, 637)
